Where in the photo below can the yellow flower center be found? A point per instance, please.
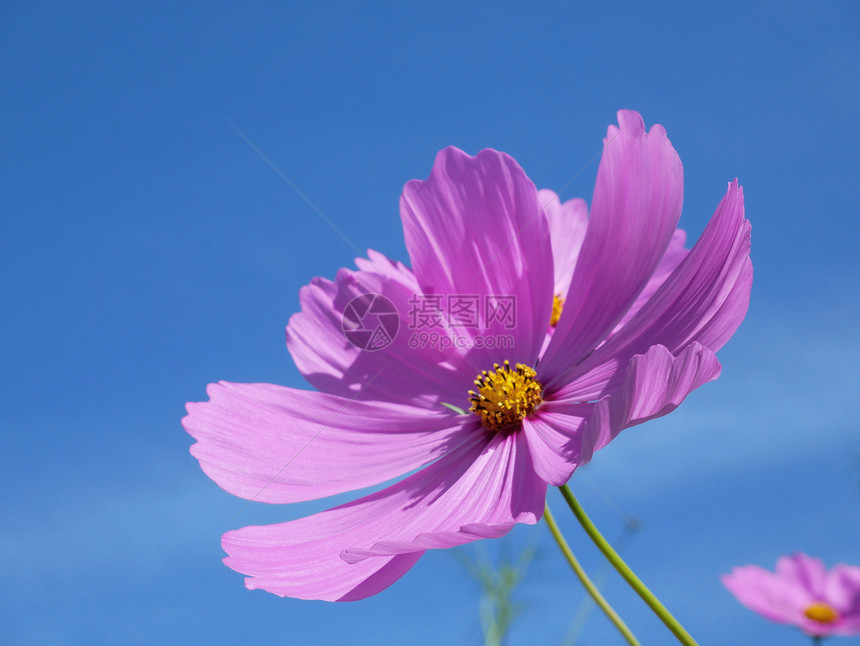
(821, 612)
(505, 395)
(557, 305)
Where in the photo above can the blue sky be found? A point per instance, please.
(148, 250)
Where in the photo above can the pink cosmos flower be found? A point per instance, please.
(635, 320)
(802, 593)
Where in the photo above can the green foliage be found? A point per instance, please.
(498, 582)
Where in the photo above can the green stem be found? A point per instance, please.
(612, 556)
(586, 582)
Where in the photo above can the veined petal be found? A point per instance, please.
(274, 444)
(382, 265)
(636, 206)
(706, 297)
(498, 490)
(597, 377)
(554, 437)
(721, 322)
(594, 379)
(668, 263)
(655, 384)
(593, 384)
(480, 489)
(403, 371)
(703, 300)
(716, 272)
(475, 228)
(568, 222)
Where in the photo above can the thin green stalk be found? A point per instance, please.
(586, 582)
(624, 570)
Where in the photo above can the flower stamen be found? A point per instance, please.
(505, 395)
(821, 612)
(557, 306)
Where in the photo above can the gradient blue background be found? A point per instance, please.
(148, 250)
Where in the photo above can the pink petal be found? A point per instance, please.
(703, 300)
(715, 273)
(400, 372)
(478, 490)
(554, 437)
(475, 227)
(721, 323)
(594, 383)
(655, 384)
(706, 297)
(567, 225)
(636, 206)
(498, 490)
(803, 571)
(848, 626)
(274, 444)
(379, 263)
(600, 369)
(668, 263)
(842, 591)
(767, 594)
(599, 373)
